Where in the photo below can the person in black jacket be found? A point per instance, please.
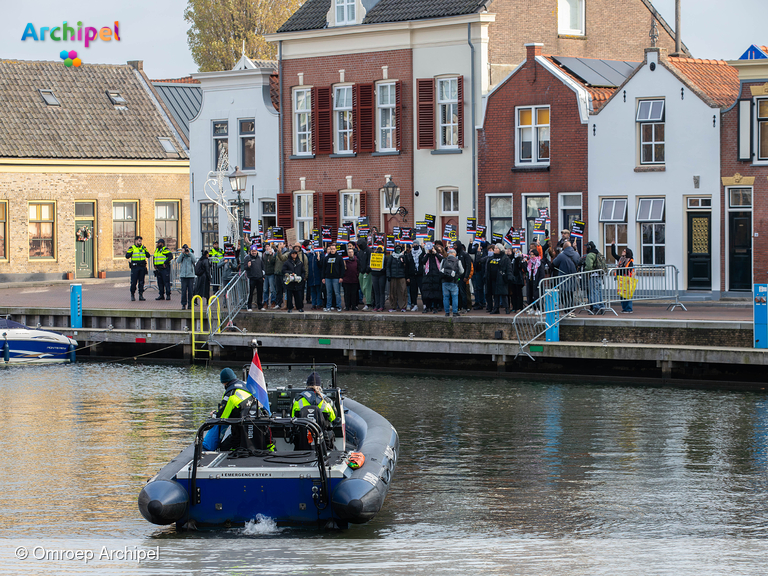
(517, 280)
(465, 298)
(496, 278)
(293, 278)
(203, 281)
(478, 252)
(395, 267)
(333, 271)
(412, 276)
(364, 272)
(432, 279)
(254, 269)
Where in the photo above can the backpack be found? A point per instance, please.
(581, 264)
(600, 263)
(451, 265)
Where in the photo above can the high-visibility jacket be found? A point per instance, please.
(162, 257)
(215, 256)
(138, 255)
(231, 400)
(310, 398)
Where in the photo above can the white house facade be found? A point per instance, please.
(654, 168)
(238, 123)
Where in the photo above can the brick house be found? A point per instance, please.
(744, 170)
(533, 140)
(88, 159)
(381, 89)
(654, 167)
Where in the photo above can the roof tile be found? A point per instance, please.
(716, 79)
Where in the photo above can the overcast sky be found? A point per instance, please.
(155, 30)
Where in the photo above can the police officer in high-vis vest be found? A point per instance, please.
(137, 255)
(215, 255)
(235, 393)
(162, 261)
(313, 396)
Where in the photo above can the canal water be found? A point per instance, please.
(495, 476)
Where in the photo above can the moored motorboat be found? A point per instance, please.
(23, 345)
(314, 475)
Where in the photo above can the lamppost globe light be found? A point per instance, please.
(237, 180)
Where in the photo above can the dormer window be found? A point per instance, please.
(49, 98)
(167, 145)
(116, 98)
(345, 12)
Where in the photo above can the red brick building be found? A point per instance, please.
(533, 141)
(744, 169)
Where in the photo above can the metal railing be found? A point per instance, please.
(231, 299)
(563, 295)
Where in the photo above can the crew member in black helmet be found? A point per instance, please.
(313, 396)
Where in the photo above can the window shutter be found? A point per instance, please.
(331, 212)
(398, 115)
(285, 211)
(363, 206)
(460, 90)
(322, 121)
(363, 102)
(316, 210)
(744, 137)
(425, 128)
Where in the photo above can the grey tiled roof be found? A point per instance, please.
(182, 100)
(86, 124)
(312, 14)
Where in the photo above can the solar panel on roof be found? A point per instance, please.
(594, 72)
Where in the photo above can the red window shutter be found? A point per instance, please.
(363, 206)
(398, 115)
(363, 102)
(316, 210)
(285, 210)
(460, 85)
(322, 121)
(331, 212)
(425, 127)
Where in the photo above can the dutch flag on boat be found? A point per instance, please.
(256, 384)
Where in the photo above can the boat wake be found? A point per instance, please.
(260, 526)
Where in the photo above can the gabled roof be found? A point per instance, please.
(183, 101)
(755, 53)
(716, 80)
(313, 13)
(87, 123)
(184, 80)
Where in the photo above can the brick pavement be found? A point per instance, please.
(114, 294)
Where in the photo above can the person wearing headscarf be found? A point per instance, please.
(625, 266)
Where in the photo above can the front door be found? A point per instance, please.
(699, 251)
(569, 217)
(740, 251)
(84, 248)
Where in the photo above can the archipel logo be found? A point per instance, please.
(66, 33)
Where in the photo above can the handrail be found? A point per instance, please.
(199, 299)
(214, 298)
(235, 297)
(594, 288)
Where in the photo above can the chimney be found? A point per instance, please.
(136, 64)
(678, 40)
(532, 50)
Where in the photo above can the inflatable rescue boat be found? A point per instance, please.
(296, 471)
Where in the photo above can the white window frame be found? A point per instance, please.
(699, 203)
(650, 205)
(525, 220)
(303, 199)
(298, 114)
(650, 113)
(341, 111)
(445, 107)
(455, 197)
(489, 217)
(215, 138)
(653, 244)
(568, 30)
(535, 128)
(348, 12)
(761, 123)
(740, 207)
(614, 217)
(243, 136)
(387, 109)
(343, 216)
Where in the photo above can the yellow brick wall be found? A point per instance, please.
(19, 188)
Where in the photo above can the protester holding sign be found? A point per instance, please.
(413, 276)
(431, 284)
(378, 278)
(333, 271)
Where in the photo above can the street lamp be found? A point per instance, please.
(390, 189)
(237, 181)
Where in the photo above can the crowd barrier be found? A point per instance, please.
(594, 291)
